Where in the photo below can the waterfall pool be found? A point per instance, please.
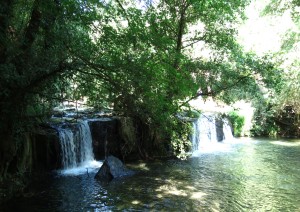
(251, 175)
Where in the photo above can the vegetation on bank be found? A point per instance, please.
(143, 59)
(237, 122)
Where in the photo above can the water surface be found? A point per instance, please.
(248, 175)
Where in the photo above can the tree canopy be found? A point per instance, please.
(143, 59)
(278, 112)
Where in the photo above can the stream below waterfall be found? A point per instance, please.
(245, 175)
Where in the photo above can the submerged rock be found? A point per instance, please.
(112, 168)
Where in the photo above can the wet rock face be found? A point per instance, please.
(219, 129)
(105, 137)
(46, 150)
(112, 168)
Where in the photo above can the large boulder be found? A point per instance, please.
(112, 168)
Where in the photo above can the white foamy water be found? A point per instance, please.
(211, 147)
(204, 138)
(85, 168)
(77, 150)
(85, 142)
(68, 148)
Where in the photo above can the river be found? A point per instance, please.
(245, 175)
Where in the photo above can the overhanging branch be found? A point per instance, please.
(213, 93)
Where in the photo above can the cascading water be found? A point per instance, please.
(195, 136)
(85, 142)
(205, 135)
(68, 148)
(77, 149)
(228, 136)
(204, 131)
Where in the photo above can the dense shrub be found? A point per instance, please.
(237, 121)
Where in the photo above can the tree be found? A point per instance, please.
(288, 55)
(137, 60)
(140, 60)
(279, 101)
(33, 64)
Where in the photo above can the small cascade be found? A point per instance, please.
(204, 131)
(76, 146)
(207, 128)
(228, 136)
(207, 135)
(195, 136)
(85, 142)
(68, 148)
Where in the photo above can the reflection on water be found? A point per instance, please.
(253, 176)
(285, 143)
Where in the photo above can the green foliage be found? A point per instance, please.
(34, 63)
(180, 142)
(237, 121)
(271, 122)
(290, 95)
(193, 114)
(264, 121)
(136, 61)
(284, 93)
(139, 63)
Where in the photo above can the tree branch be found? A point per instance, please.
(32, 28)
(213, 93)
(6, 11)
(41, 79)
(124, 11)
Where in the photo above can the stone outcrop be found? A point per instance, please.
(219, 128)
(112, 168)
(110, 136)
(46, 149)
(42, 149)
(105, 137)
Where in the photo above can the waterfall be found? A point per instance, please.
(76, 147)
(227, 131)
(85, 141)
(206, 133)
(195, 136)
(68, 148)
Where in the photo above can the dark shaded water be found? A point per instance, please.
(251, 175)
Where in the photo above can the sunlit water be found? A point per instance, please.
(86, 167)
(249, 175)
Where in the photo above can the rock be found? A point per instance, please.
(112, 168)
(105, 137)
(45, 149)
(219, 128)
(58, 114)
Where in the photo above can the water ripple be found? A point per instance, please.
(254, 176)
